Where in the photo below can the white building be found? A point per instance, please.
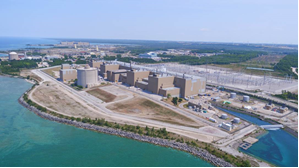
(150, 55)
(87, 77)
(226, 126)
(13, 56)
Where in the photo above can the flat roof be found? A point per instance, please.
(119, 70)
(170, 88)
(250, 140)
(67, 69)
(142, 82)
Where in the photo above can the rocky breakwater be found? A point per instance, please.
(157, 141)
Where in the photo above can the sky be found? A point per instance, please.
(245, 21)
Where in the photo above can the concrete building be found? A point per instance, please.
(95, 64)
(115, 75)
(68, 75)
(13, 56)
(65, 66)
(189, 86)
(107, 67)
(162, 84)
(136, 76)
(87, 77)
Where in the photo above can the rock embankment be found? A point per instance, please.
(157, 141)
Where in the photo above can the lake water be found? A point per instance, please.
(277, 147)
(15, 43)
(28, 140)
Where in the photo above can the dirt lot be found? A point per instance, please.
(53, 71)
(27, 72)
(147, 109)
(101, 94)
(52, 97)
(106, 94)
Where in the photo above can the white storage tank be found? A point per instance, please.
(213, 120)
(246, 98)
(13, 56)
(233, 95)
(236, 120)
(87, 76)
(223, 116)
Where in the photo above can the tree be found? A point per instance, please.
(180, 100)
(168, 96)
(175, 100)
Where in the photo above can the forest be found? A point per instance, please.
(228, 57)
(14, 67)
(285, 64)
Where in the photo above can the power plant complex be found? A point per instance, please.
(163, 84)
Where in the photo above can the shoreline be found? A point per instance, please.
(201, 153)
(286, 128)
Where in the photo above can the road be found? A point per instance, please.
(190, 132)
(294, 70)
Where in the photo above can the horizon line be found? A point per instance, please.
(59, 38)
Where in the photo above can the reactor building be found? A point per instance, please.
(13, 56)
(87, 77)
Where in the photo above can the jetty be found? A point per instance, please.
(248, 142)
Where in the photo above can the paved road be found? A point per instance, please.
(294, 70)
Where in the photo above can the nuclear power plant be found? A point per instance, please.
(161, 83)
(155, 82)
(13, 56)
(87, 77)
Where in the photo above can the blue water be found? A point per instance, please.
(28, 140)
(276, 147)
(15, 43)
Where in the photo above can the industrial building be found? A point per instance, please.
(269, 105)
(95, 64)
(282, 109)
(87, 77)
(65, 66)
(226, 126)
(149, 55)
(157, 83)
(13, 56)
(68, 75)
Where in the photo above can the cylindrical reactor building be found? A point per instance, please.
(13, 56)
(87, 76)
